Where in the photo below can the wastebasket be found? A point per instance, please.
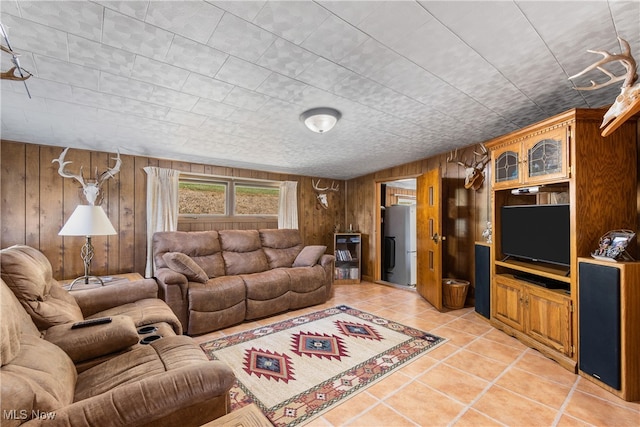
(454, 293)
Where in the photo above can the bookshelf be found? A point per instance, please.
(347, 250)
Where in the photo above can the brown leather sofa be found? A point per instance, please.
(102, 374)
(215, 279)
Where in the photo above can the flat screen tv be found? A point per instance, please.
(536, 233)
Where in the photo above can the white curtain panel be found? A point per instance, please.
(162, 206)
(288, 212)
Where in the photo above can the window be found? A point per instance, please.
(219, 196)
(200, 197)
(255, 199)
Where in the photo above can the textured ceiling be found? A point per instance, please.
(224, 82)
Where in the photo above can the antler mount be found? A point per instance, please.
(628, 102)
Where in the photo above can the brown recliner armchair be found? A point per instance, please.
(53, 309)
(115, 381)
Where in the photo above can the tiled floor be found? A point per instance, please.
(480, 377)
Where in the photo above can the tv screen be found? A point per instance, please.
(536, 233)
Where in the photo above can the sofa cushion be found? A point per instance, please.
(142, 362)
(98, 340)
(281, 246)
(29, 275)
(309, 256)
(203, 247)
(183, 264)
(242, 252)
(40, 378)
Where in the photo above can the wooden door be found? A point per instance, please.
(507, 306)
(548, 318)
(429, 237)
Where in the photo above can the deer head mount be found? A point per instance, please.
(474, 171)
(321, 193)
(90, 188)
(628, 102)
(16, 72)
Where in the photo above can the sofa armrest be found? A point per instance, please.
(94, 341)
(168, 276)
(186, 395)
(327, 260)
(95, 300)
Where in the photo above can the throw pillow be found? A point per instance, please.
(309, 256)
(183, 263)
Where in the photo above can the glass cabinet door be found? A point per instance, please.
(506, 166)
(546, 156)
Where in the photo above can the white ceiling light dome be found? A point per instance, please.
(320, 120)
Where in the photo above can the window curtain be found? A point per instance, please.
(162, 206)
(288, 212)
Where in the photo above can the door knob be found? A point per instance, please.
(436, 238)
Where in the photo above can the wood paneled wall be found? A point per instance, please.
(36, 202)
(465, 213)
(393, 194)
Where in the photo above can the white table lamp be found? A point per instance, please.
(87, 220)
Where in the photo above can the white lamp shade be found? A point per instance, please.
(320, 120)
(88, 220)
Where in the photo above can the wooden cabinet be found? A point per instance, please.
(609, 341)
(571, 163)
(542, 314)
(537, 158)
(347, 250)
(548, 318)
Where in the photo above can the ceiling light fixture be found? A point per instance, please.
(320, 120)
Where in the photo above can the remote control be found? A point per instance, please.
(91, 322)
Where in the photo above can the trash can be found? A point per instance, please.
(454, 293)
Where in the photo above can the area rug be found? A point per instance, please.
(299, 368)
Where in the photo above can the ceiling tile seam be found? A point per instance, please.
(555, 58)
(515, 86)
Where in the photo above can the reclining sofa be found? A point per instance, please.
(215, 279)
(101, 375)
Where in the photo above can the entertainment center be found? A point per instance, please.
(557, 187)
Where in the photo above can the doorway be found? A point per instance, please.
(397, 233)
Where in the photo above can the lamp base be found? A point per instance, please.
(86, 280)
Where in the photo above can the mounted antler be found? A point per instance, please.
(474, 175)
(321, 196)
(628, 102)
(89, 189)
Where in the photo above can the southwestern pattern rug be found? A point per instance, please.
(297, 369)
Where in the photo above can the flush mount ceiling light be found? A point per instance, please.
(320, 120)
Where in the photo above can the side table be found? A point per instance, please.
(108, 280)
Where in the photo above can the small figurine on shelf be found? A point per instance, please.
(487, 232)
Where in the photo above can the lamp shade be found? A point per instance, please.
(320, 120)
(88, 220)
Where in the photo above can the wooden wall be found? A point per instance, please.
(465, 213)
(36, 202)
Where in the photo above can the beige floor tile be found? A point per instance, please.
(587, 386)
(453, 382)
(379, 416)
(534, 387)
(534, 362)
(596, 411)
(419, 366)
(351, 408)
(502, 338)
(389, 385)
(424, 405)
(476, 364)
(473, 418)
(512, 409)
(455, 336)
(494, 350)
(469, 327)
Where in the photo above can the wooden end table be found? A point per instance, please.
(108, 280)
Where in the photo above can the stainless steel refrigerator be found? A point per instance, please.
(400, 244)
